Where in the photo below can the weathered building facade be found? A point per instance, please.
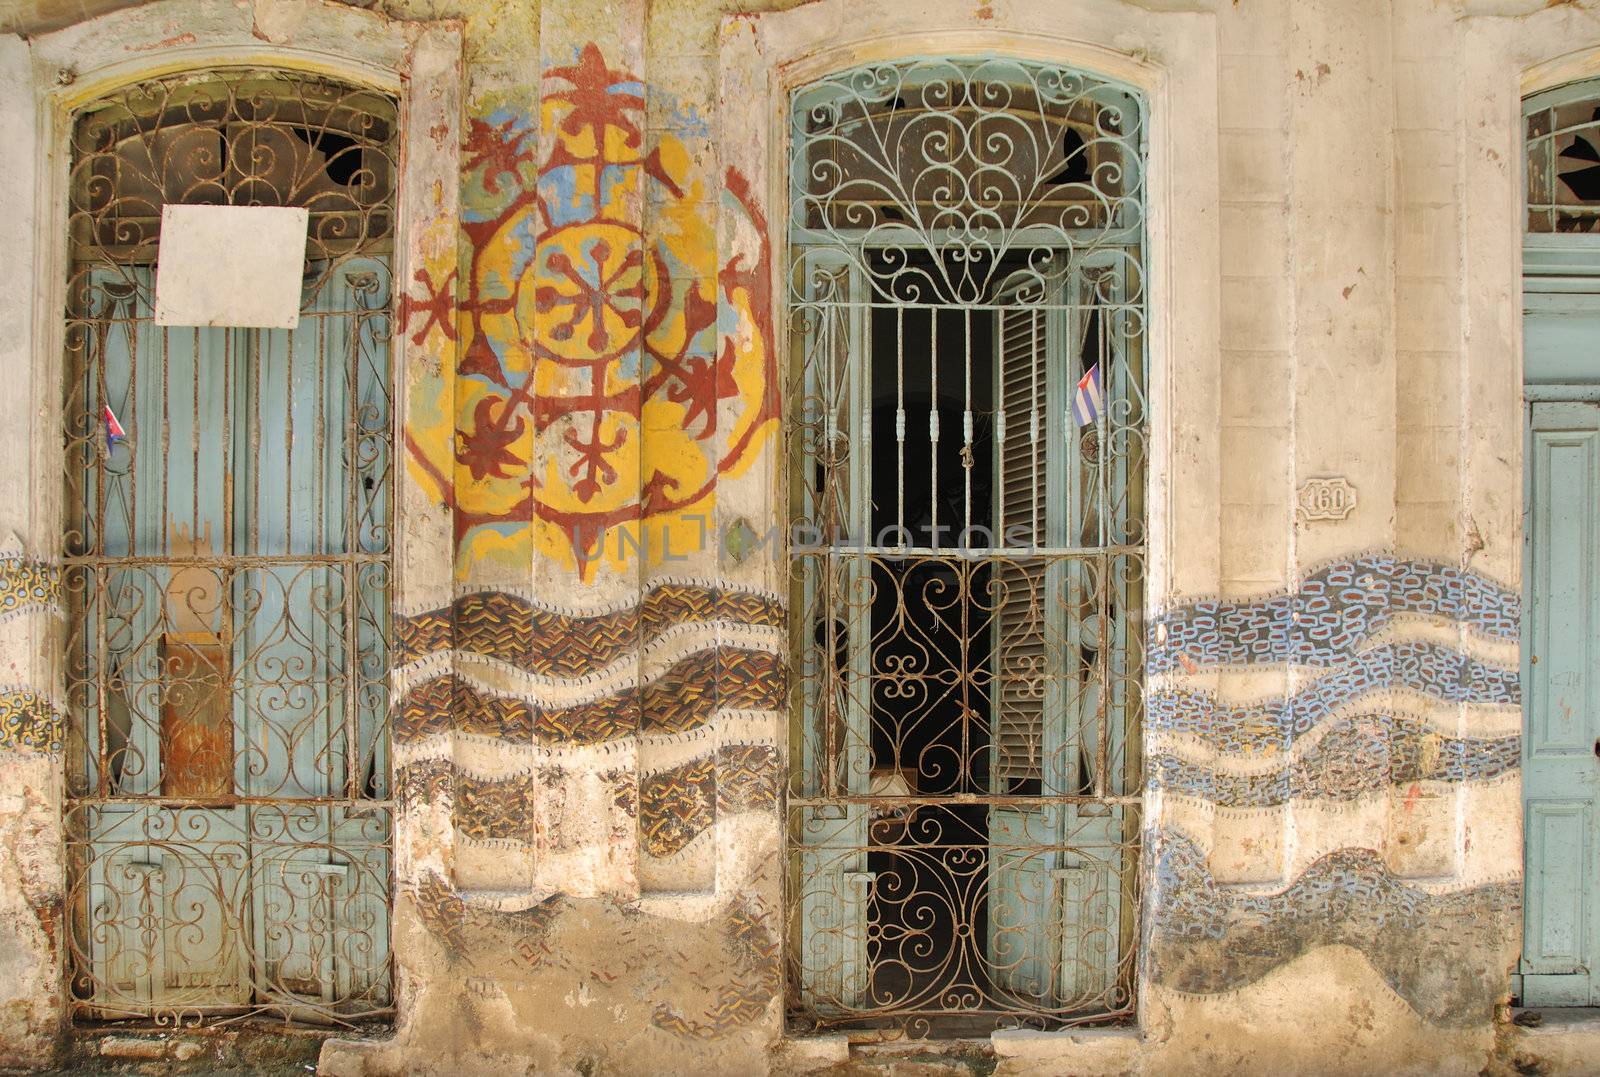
(550, 654)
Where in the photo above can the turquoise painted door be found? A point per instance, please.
(1053, 891)
(1561, 672)
(836, 885)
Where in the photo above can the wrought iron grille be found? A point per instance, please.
(227, 567)
(967, 567)
(1562, 130)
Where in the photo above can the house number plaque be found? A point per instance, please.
(1326, 499)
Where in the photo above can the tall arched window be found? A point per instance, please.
(967, 438)
(227, 564)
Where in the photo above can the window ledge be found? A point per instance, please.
(1087, 1050)
(1561, 1021)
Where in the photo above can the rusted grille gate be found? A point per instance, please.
(966, 241)
(227, 567)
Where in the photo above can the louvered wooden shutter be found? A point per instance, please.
(1021, 513)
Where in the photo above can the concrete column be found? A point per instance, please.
(1341, 190)
(1341, 227)
(1256, 379)
(33, 925)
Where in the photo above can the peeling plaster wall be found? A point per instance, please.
(591, 705)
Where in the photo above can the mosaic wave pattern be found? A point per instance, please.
(29, 723)
(1354, 757)
(1335, 739)
(679, 804)
(1214, 939)
(1331, 613)
(686, 696)
(1440, 673)
(593, 654)
(550, 642)
(27, 584)
(675, 806)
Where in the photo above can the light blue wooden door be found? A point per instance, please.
(299, 707)
(836, 748)
(1029, 743)
(166, 883)
(1561, 671)
(1053, 892)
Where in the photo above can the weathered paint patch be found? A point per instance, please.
(1439, 950)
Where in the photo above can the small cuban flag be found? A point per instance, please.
(1086, 402)
(114, 431)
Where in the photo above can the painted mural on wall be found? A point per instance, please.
(591, 395)
(1367, 718)
(609, 372)
(562, 698)
(697, 981)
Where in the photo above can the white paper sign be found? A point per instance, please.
(230, 265)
